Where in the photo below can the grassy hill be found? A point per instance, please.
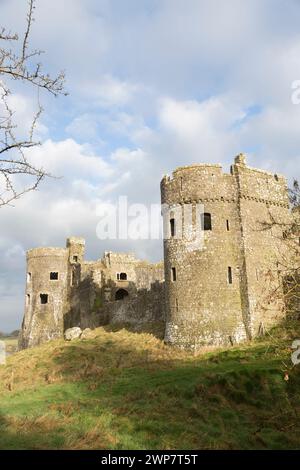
(124, 390)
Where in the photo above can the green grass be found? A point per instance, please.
(124, 390)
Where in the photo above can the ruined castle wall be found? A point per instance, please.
(92, 300)
(263, 208)
(139, 312)
(148, 274)
(81, 296)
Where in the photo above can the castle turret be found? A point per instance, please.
(212, 291)
(45, 296)
(76, 246)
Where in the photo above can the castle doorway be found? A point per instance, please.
(121, 294)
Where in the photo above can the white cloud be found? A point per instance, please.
(84, 127)
(69, 160)
(110, 91)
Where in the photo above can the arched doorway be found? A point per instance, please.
(121, 294)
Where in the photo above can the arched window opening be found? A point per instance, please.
(206, 221)
(123, 277)
(172, 227)
(121, 294)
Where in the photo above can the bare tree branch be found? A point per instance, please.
(20, 67)
(285, 277)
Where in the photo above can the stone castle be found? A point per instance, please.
(217, 293)
(63, 290)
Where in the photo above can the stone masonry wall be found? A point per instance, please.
(44, 321)
(214, 291)
(206, 304)
(83, 293)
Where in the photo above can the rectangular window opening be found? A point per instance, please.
(206, 221)
(172, 227)
(229, 275)
(54, 276)
(44, 298)
(173, 270)
(75, 259)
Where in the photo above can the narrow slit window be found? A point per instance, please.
(44, 298)
(172, 227)
(118, 276)
(54, 276)
(28, 299)
(176, 305)
(28, 277)
(206, 221)
(227, 225)
(173, 270)
(229, 275)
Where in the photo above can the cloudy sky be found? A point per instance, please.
(153, 84)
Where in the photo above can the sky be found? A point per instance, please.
(152, 85)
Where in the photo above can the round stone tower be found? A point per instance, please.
(45, 297)
(202, 257)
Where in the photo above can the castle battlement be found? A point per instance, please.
(46, 252)
(204, 183)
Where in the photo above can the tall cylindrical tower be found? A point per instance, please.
(45, 295)
(203, 299)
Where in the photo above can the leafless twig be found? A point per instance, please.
(14, 165)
